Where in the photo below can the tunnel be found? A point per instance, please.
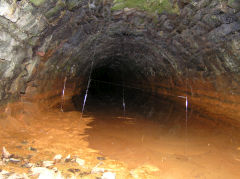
(119, 89)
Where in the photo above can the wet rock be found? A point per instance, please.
(101, 158)
(9, 11)
(211, 20)
(73, 170)
(68, 158)
(4, 172)
(13, 160)
(82, 174)
(38, 170)
(5, 160)
(27, 165)
(38, 164)
(25, 160)
(48, 163)
(29, 157)
(203, 3)
(44, 173)
(24, 142)
(17, 157)
(55, 169)
(96, 170)
(109, 175)
(30, 24)
(225, 29)
(168, 25)
(5, 153)
(18, 176)
(58, 175)
(57, 158)
(80, 162)
(33, 149)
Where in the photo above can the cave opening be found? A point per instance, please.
(115, 81)
(135, 112)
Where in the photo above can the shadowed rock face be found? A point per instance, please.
(194, 53)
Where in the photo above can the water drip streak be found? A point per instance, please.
(186, 118)
(88, 85)
(63, 92)
(124, 106)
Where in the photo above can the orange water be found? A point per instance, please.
(144, 144)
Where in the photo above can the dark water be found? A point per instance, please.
(155, 134)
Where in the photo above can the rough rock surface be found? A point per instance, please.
(194, 53)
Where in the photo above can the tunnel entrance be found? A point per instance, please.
(129, 119)
(154, 131)
(116, 81)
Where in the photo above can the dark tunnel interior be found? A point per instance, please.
(116, 81)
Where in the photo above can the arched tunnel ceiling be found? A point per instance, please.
(200, 47)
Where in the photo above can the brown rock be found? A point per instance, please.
(5, 153)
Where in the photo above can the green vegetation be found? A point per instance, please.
(72, 3)
(55, 10)
(37, 2)
(152, 6)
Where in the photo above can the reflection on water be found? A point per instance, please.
(159, 138)
(151, 140)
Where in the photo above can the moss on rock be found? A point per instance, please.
(153, 6)
(37, 2)
(55, 10)
(72, 4)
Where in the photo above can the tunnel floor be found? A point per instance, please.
(148, 142)
(160, 140)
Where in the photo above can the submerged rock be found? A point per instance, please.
(55, 169)
(33, 149)
(5, 153)
(109, 175)
(68, 158)
(48, 163)
(44, 173)
(13, 160)
(27, 165)
(18, 176)
(57, 158)
(101, 158)
(97, 170)
(80, 162)
(4, 172)
(73, 170)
